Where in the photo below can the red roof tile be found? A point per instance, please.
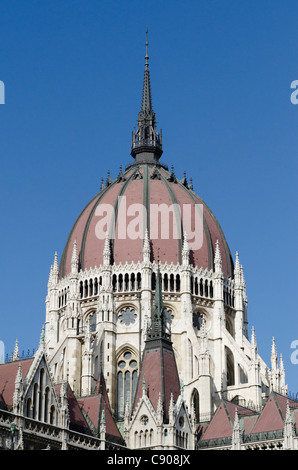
(76, 418)
(222, 422)
(8, 372)
(270, 418)
(159, 370)
(220, 425)
(95, 404)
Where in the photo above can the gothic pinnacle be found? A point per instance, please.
(55, 270)
(274, 357)
(55, 265)
(74, 258)
(146, 247)
(185, 250)
(237, 264)
(237, 271)
(15, 356)
(217, 259)
(107, 251)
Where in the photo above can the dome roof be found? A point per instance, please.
(146, 195)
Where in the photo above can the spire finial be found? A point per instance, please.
(146, 141)
(42, 338)
(15, 356)
(74, 258)
(217, 259)
(147, 44)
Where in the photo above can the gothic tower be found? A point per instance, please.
(146, 268)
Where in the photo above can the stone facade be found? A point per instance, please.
(102, 300)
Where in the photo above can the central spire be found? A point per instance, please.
(146, 99)
(146, 145)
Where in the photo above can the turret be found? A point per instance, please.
(51, 324)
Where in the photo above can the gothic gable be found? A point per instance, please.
(39, 397)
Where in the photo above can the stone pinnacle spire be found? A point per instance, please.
(217, 259)
(146, 98)
(157, 330)
(146, 145)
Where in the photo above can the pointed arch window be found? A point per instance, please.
(127, 377)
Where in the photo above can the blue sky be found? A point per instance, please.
(220, 76)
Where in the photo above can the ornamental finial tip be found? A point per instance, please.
(147, 43)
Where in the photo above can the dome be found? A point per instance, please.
(146, 196)
(146, 199)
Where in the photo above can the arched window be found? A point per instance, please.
(230, 367)
(136, 439)
(243, 377)
(92, 322)
(165, 282)
(153, 281)
(120, 282)
(206, 288)
(172, 282)
(177, 282)
(95, 286)
(29, 408)
(211, 289)
(114, 282)
(41, 388)
(229, 324)
(132, 281)
(127, 377)
(198, 320)
(126, 282)
(91, 288)
(35, 395)
(201, 287)
(196, 286)
(190, 350)
(120, 392)
(46, 404)
(139, 281)
(52, 415)
(196, 404)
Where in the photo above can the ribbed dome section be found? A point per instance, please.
(146, 196)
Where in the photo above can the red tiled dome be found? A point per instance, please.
(146, 185)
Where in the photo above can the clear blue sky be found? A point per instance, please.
(220, 75)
